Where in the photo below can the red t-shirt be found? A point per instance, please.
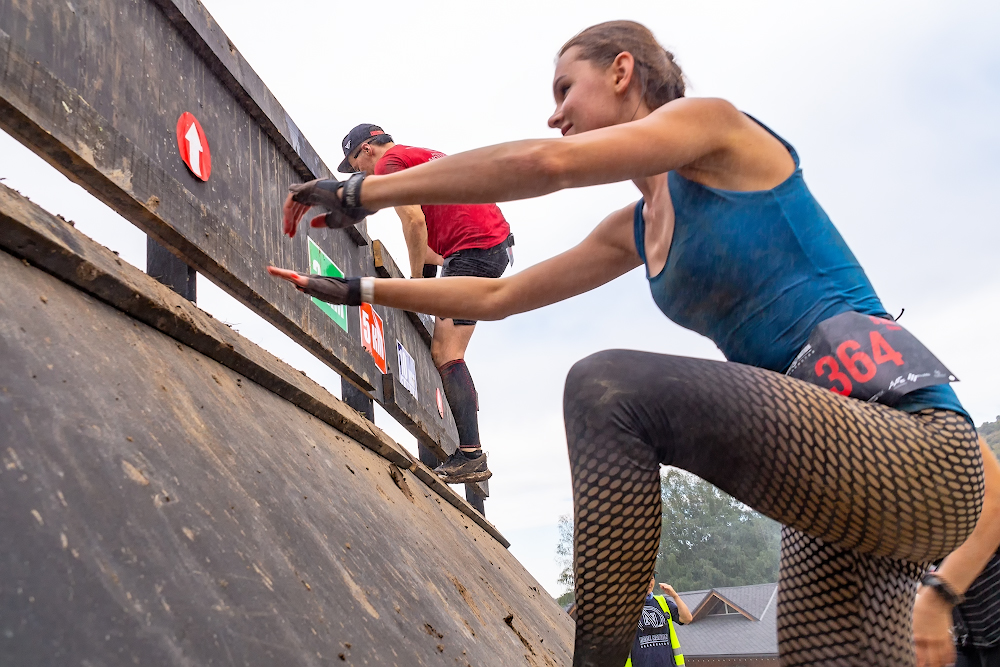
(450, 227)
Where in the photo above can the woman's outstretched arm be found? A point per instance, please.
(607, 252)
(671, 137)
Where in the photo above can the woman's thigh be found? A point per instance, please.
(857, 475)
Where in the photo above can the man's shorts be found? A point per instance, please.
(478, 263)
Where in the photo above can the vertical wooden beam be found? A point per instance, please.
(358, 400)
(427, 457)
(472, 494)
(171, 271)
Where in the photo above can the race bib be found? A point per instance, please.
(868, 358)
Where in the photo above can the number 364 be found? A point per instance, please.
(856, 361)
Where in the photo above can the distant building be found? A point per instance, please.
(735, 626)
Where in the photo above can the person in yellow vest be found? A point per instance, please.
(656, 643)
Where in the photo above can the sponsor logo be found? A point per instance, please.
(320, 262)
(653, 618)
(373, 335)
(407, 369)
(654, 640)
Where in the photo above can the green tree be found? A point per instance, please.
(709, 539)
(564, 556)
(991, 433)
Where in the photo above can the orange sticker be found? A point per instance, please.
(373, 335)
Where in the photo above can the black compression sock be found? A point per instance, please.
(472, 453)
(461, 394)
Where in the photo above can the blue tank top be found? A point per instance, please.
(755, 272)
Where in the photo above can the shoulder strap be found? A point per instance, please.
(662, 601)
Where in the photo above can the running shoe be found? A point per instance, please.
(459, 468)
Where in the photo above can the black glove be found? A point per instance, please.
(341, 213)
(339, 291)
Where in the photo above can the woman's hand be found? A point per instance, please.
(329, 194)
(932, 622)
(338, 291)
(296, 279)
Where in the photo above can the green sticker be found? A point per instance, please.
(320, 263)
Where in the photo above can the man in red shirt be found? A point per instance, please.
(469, 240)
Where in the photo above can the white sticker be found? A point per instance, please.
(407, 369)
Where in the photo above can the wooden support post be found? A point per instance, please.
(472, 494)
(427, 457)
(171, 271)
(358, 400)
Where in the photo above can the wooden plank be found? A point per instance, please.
(97, 92)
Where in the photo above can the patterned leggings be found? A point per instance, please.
(867, 495)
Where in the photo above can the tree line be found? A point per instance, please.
(991, 433)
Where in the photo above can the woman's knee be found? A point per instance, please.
(595, 380)
(586, 372)
(590, 396)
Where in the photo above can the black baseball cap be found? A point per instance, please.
(356, 137)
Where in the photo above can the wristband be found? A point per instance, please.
(942, 588)
(352, 190)
(367, 290)
(353, 291)
(430, 271)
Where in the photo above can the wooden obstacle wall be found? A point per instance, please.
(174, 495)
(97, 87)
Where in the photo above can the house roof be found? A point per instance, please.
(733, 634)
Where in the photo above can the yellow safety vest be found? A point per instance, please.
(675, 644)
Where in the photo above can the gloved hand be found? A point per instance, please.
(342, 200)
(339, 291)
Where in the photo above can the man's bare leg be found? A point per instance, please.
(450, 341)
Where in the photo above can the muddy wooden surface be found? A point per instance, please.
(97, 87)
(161, 508)
(49, 242)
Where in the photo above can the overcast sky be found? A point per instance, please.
(893, 107)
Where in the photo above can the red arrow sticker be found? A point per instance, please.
(193, 146)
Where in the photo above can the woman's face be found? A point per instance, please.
(587, 96)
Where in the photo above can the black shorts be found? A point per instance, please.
(478, 263)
